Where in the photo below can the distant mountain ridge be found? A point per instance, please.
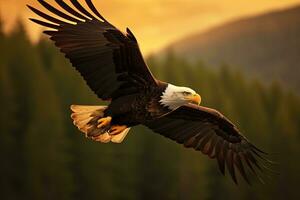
(266, 45)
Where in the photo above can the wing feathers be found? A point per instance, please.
(230, 166)
(208, 131)
(41, 14)
(95, 11)
(49, 33)
(57, 12)
(240, 166)
(70, 10)
(42, 23)
(98, 50)
(204, 139)
(82, 9)
(221, 158)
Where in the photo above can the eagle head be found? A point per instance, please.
(174, 97)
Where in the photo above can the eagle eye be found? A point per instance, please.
(186, 93)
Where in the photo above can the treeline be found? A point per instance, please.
(43, 156)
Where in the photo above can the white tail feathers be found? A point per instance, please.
(86, 119)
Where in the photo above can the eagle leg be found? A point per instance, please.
(104, 122)
(117, 129)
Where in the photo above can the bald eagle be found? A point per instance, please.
(112, 65)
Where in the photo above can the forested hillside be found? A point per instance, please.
(43, 156)
(266, 46)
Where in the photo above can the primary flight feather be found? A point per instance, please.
(112, 65)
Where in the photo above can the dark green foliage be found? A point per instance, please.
(43, 156)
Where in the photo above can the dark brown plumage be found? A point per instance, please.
(112, 65)
(208, 131)
(84, 43)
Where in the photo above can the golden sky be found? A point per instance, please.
(156, 23)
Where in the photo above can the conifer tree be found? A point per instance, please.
(7, 141)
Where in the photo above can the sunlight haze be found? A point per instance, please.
(155, 23)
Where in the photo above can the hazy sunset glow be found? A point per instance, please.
(155, 23)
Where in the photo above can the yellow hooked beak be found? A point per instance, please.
(195, 99)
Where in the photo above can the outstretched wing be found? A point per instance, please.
(109, 60)
(208, 131)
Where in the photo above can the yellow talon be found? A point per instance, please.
(105, 138)
(104, 122)
(117, 129)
